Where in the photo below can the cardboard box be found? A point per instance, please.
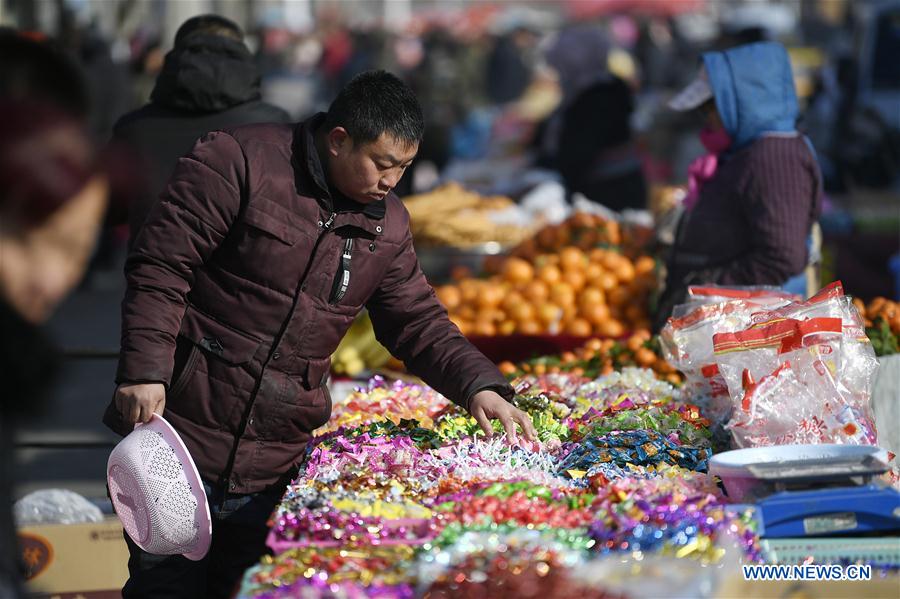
(65, 561)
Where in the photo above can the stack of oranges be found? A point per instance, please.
(575, 292)
(880, 308)
(584, 231)
(601, 357)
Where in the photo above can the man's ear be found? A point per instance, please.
(338, 141)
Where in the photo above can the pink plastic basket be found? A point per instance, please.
(157, 493)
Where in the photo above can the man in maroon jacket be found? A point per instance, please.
(265, 245)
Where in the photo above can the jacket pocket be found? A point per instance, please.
(313, 372)
(272, 226)
(218, 378)
(184, 367)
(228, 344)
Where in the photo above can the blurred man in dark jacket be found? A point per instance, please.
(209, 82)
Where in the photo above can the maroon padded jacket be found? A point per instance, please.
(238, 294)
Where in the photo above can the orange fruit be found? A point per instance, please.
(511, 300)
(607, 282)
(596, 314)
(593, 272)
(530, 327)
(572, 258)
(507, 368)
(590, 296)
(507, 327)
(490, 295)
(468, 289)
(549, 313)
(644, 333)
(466, 312)
(550, 274)
(644, 357)
(562, 294)
(610, 261)
(642, 326)
(518, 271)
(536, 292)
(570, 313)
(579, 327)
(625, 271)
(612, 328)
(597, 255)
(522, 312)
(450, 296)
(575, 279)
(644, 265)
(673, 378)
(634, 343)
(485, 328)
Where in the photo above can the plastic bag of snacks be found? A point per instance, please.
(857, 373)
(687, 343)
(785, 382)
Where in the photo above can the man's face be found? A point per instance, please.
(366, 172)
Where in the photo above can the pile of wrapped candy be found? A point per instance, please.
(407, 498)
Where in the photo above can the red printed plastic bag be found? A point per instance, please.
(783, 379)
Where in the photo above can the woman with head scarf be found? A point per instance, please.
(754, 198)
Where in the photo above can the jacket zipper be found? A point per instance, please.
(226, 480)
(342, 279)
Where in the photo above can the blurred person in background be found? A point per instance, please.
(510, 63)
(588, 139)
(209, 81)
(754, 198)
(52, 202)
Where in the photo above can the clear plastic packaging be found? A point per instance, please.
(687, 343)
(785, 380)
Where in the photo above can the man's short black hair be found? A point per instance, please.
(377, 102)
(209, 25)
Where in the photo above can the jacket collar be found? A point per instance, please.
(310, 174)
